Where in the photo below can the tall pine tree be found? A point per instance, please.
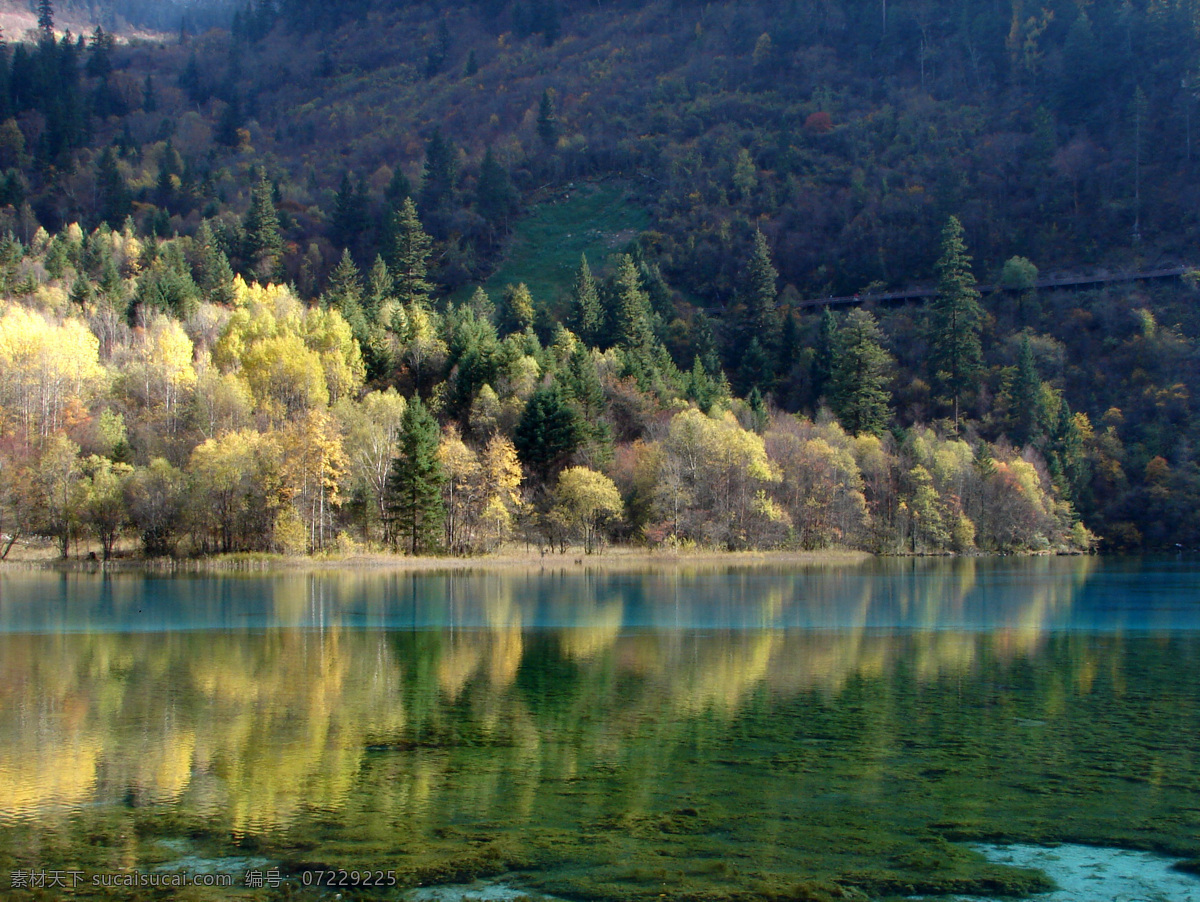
(858, 391)
(414, 501)
(956, 320)
(263, 248)
(587, 315)
(409, 256)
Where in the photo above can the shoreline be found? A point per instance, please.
(614, 559)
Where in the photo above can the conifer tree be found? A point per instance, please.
(398, 188)
(587, 315)
(380, 289)
(701, 388)
(46, 17)
(858, 392)
(581, 385)
(409, 256)
(822, 362)
(756, 365)
(633, 323)
(956, 354)
(214, 275)
(344, 294)
(547, 434)
(263, 243)
(440, 174)
(1065, 456)
(760, 293)
(1026, 396)
(414, 501)
(495, 195)
(515, 313)
(547, 120)
(481, 305)
(115, 202)
(351, 213)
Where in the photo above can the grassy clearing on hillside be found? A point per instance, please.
(597, 220)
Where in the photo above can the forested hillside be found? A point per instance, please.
(717, 162)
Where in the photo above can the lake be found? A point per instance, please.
(890, 729)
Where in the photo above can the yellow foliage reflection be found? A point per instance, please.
(256, 727)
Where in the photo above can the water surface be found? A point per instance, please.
(840, 732)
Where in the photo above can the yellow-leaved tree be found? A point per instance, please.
(584, 502)
(314, 468)
(45, 367)
(712, 471)
(292, 358)
(159, 373)
(502, 474)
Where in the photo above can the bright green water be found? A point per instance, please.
(702, 734)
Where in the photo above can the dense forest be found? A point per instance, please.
(262, 291)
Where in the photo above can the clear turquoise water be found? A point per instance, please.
(835, 732)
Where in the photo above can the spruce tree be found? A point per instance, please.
(1026, 397)
(409, 257)
(956, 320)
(632, 306)
(584, 391)
(46, 18)
(481, 305)
(760, 294)
(213, 272)
(440, 174)
(756, 364)
(547, 121)
(351, 213)
(344, 294)
(115, 202)
(515, 313)
(822, 362)
(263, 243)
(414, 501)
(587, 316)
(398, 188)
(858, 392)
(380, 289)
(547, 434)
(495, 195)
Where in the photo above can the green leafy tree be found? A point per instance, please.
(415, 505)
(858, 390)
(956, 320)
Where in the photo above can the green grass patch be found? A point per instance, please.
(594, 219)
